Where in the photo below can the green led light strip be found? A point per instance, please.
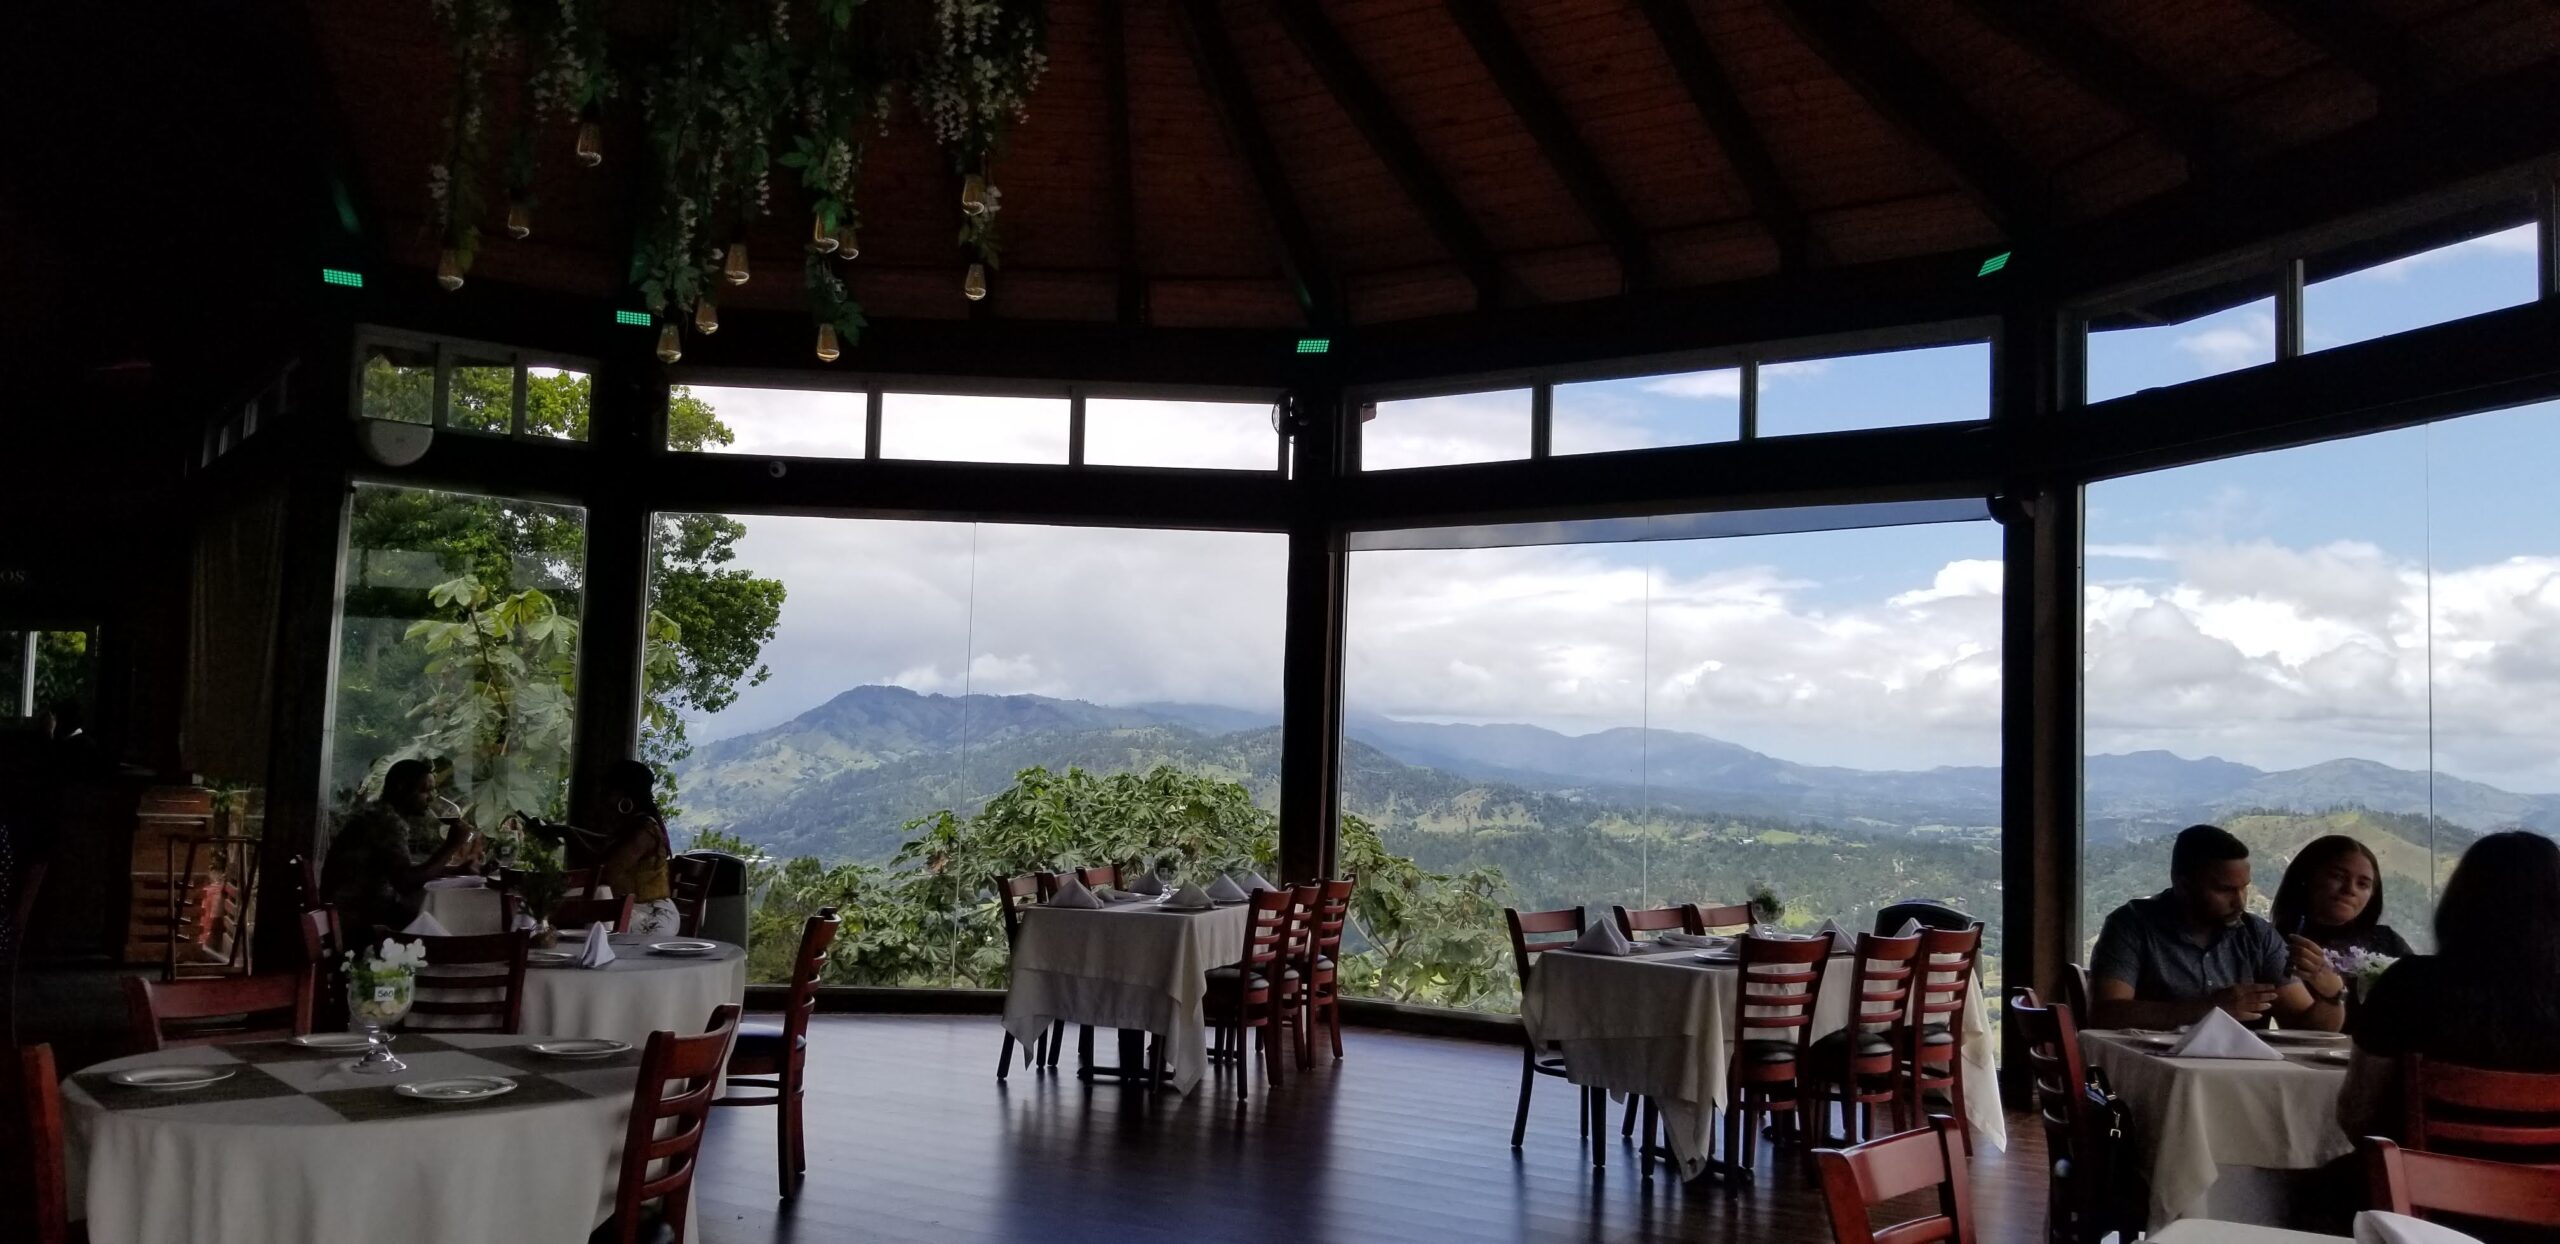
(1994, 264)
(340, 276)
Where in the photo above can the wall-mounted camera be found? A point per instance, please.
(777, 468)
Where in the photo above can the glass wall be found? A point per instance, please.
(1647, 412)
(468, 387)
(1666, 722)
(952, 428)
(2428, 287)
(768, 423)
(1937, 384)
(1227, 436)
(2131, 359)
(1445, 431)
(42, 671)
(458, 645)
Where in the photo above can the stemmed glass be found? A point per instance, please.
(376, 1000)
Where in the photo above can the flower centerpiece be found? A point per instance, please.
(539, 880)
(382, 982)
(1766, 906)
(2360, 968)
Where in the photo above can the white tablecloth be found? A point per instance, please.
(2201, 1118)
(1657, 1023)
(1135, 966)
(626, 1000)
(269, 1158)
(463, 912)
(2210, 1231)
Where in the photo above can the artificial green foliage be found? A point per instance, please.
(500, 694)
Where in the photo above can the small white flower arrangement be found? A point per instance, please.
(382, 980)
(2360, 968)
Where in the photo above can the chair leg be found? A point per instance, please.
(1057, 1041)
(1627, 1125)
(1955, 1093)
(1600, 1134)
(1333, 1020)
(1644, 1146)
(1528, 1080)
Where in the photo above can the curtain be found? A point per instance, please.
(236, 589)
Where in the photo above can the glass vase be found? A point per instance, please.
(377, 999)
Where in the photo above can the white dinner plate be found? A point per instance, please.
(334, 1041)
(686, 950)
(173, 1078)
(459, 1088)
(582, 1047)
(1717, 956)
(550, 958)
(1180, 907)
(2297, 1036)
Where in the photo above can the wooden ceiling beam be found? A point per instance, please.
(1231, 98)
(2354, 36)
(1131, 292)
(1367, 106)
(1557, 140)
(2057, 35)
(1675, 28)
(1855, 42)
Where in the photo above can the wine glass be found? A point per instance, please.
(377, 1000)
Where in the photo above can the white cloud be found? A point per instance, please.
(2248, 341)
(1704, 385)
(2521, 240)
(1440, 431)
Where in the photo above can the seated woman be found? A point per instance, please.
(2331, 902)
(635, 851)
(2489, 996)
(381, 860)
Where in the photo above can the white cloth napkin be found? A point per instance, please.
(524, 920)
(1910, 928)
(1147, 883)
(1842, 940)
(464, 882)
(2218, 1035)
(1071, 893)
(1250, 881)
(426, 925)
(1225, 890)
(1189, 896)
(599, 948)
(1694, 941)
(2376, 1226)
(1603, 938)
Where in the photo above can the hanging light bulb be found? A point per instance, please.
(976, 284)
(973, 194)
(519, 221)
(848, 246)
(449, 271)
(670, 346)
(590, 144)
(734, 271)
(706, 317)
(819, 239)
(827, 350)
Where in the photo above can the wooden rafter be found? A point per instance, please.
(1231, 98)
(1359, 97)
(2355, 37)
(1849, 36)
(2057, 35)
(1132, 288)
(1676, 29)
(1557, 140)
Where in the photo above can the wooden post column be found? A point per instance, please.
(1311, 673)
(628, 412)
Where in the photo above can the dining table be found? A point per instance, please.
(1140, 966)
(641, 991)
(2216, 1231)
(289, 1146)
(464, 909)
(1658, 1023)
(2226, 1138)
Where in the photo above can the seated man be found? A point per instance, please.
(2164, 961)
(381, 860)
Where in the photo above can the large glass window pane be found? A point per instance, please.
(973, 429)
(1939, 384)
(1445, 431)
(2129, 360)
(556, 403)
(44, 670)
(1646, 412)
(481, 395)
(399, 383)
(2430, 287)
(767, 423)
(1233, 436)
(459, 646)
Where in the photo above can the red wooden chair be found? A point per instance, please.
(2425, 1185)
(1681, 919)
(670, 1106)
(1320, 970)
(202, 1011)
(1253, 993)
(1853, 1068)
(777, 1055)
(689, 884)
(1554, 930)
(2080, 1207)
(1715, 916)
(1048, 884)
(1013, 895)
(2478, 1113)
(1857, 1178)
(1768, 1066)
(461, 966)
(1099, 875)
(31, 1153)
(1939, 999)
(2075, 990)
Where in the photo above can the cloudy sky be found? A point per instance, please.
(2277, 610)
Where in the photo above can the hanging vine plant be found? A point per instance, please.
(973, 85)
(475, 32)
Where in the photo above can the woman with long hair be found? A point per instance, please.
(2489, 996)
(2331, 902)
(636, 848)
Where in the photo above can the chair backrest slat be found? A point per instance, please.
(1781, 986)
(2424, 1185)
(1014, 895)
(1100, 875)
(679, 1077)
(1713, 916)
(1681, 919)
(689, 885)
(439, 992)
(1333, 910)
(277, 1005)
(1882, 994)
(817, 937)
(1559, 928)
(1266, 937)
(2476, 1109)
(1862, 1176)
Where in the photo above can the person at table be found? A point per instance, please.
(2489, 996)
(2166, 960)
(636, 850)
(381, 860)
(2330, 904)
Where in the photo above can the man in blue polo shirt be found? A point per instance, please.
(2163, 961)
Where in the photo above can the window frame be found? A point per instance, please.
(445, 350)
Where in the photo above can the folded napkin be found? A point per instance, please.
(1694, 941)
(1225, 890)
(426, 925)
(463, 882)
(524, 920)
(2218, 1035)
(1189, 896)
(2375, 1226)
(599, 948)
(1147, 883)
(1910, 928)
(1250, 881)
(1842, 940)
(1603, 938)
(1071, 893)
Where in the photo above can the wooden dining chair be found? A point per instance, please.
(201, 1011)
(2475, 1112)
(1891, 917)
(775, 1056)
(1013, 896)
(1099, 875)
(2075, 990)
(321, 944)
(1533, 934)
(572, 916)
(2081, 1148)
(1684, 918)
(2425, 1185)
(1854, 1067)
(1047, 883)
(459, 967)
(689, 885)
(1940, 996)
(38, 1210)
(1863, 1176)
(1768, 1065)
(670, 1105)
(1320, 971)
(1251, 995)
(1714, 917)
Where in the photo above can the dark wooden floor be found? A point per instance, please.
(912, 1138)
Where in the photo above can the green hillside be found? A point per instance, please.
(2118, 873)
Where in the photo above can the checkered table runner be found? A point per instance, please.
(276, 1082)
